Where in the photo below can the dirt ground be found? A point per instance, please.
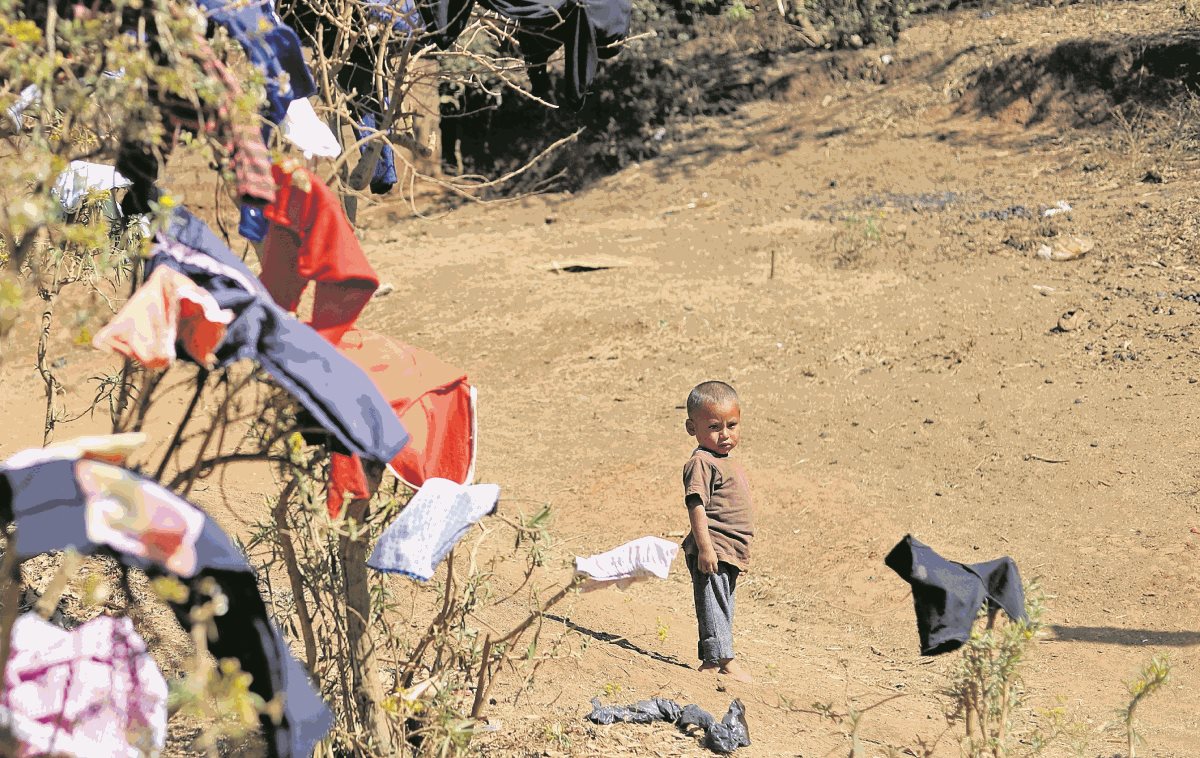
(903, 371)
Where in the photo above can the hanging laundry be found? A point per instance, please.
(252, 224)
(88, 692)
(429, 527)
(270, 45)
(384, 177)
(347, 478)
(403, 14)
(641, 559)
(310, 239)
(340, 398)
(356, 75)
(108, 448)
(433, 401)
(166, 309)
(16, 112)
(588, 32)
(947, 595)
(137, 517)
(724, 736)
(304, 129)
(241, 142)
(431, 398)
(59, 504)
(275, 49)
(81, 179)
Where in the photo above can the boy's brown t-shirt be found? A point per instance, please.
(724, 491)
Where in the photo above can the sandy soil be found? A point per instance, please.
(902, 372)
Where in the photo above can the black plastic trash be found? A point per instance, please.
(722, 736)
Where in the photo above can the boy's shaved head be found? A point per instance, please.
(710, 393)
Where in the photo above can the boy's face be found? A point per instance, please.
(717, 426)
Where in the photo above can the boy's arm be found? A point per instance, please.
(706, 557)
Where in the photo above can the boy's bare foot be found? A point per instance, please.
(732, 669)
(709, 666)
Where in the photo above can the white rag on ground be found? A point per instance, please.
(643, 558)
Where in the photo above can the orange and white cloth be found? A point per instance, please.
(431, 398)
(167, 308)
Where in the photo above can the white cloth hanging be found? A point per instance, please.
(430, 526)
(82, 178)
(88, 692)
(304, 129)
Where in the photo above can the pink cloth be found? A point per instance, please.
(166, 308)
(137, 517)
(94, 691)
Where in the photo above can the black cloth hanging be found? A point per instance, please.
(947, 595)
(42, 495)
(586, 31)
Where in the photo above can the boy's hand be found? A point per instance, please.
(706, 560)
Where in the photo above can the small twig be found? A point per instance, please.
(484, 683)
(295, 578)
(201, 379)
(1032, 457)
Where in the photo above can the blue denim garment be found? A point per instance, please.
(253, 224)
(270, 44)
(384, 177)
(947, 595)
(340, 397)
(403, 13)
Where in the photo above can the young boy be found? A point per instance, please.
(717, 497)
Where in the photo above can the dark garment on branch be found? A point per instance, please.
(53, 511)
(722, 736)
(586, 31)
(948, 595)
(356, 76)
(340, 397)
(270, 45)
(240, 144)
(540, 38)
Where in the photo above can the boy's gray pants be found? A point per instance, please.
(713, 594)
